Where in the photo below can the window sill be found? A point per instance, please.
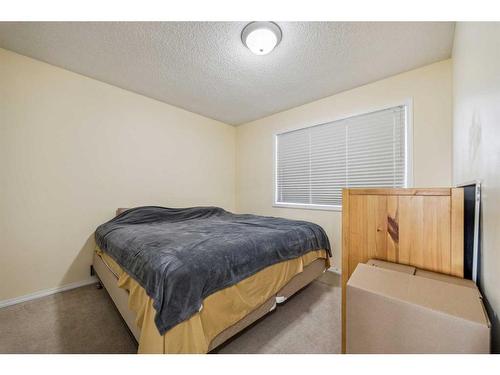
(314, 207)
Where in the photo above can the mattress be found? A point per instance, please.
(223, 313)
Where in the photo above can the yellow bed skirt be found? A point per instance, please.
(220, 310)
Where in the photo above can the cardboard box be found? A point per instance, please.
(393, 308)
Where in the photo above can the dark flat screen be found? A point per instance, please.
(469, 220)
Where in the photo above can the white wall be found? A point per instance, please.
(429, 87)
(476, 142)
(73, 149)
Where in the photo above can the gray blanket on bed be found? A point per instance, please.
(182, 255)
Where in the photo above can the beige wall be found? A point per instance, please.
(476, 142)
(73, 149)
(429, 87)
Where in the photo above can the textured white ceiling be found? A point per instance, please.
(204, 68)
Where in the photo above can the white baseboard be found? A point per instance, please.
(334, 270)
(47, 292)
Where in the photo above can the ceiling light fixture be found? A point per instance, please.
(261, 37)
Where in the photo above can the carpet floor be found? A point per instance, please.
(85, 320)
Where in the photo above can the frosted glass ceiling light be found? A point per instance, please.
(261, 37)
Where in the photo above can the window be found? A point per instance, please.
(313, 164)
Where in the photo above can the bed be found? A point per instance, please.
(223, 312)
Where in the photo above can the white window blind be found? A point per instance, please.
(315, 163)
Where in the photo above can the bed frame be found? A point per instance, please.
(120, 296)
(418, 227)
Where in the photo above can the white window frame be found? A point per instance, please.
(408, 153)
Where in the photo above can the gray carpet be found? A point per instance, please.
(84, 320)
